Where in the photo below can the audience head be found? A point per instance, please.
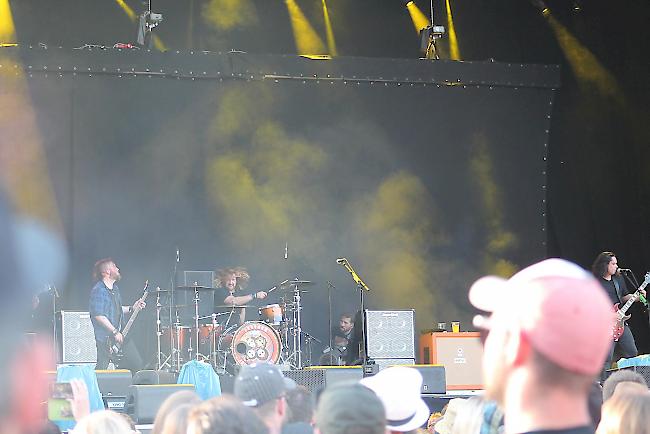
(626, 413)
(350, 409)
(399, 389)
(262, 386)
(537, 317)
(623, 379)
(102, 422)
(301, 405)
(224, 414)
(180, 398)
(446, 423)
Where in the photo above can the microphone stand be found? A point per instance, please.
(361, 287)
(172, 305)
(330, 286)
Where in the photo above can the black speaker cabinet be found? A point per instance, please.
(114, 382)
(316, 378)
(76, 338)
(390, 334)
(150, 376)
(143, 401)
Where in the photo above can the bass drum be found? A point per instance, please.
(256, 342)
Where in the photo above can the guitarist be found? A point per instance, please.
(605, 269)
(107, 315)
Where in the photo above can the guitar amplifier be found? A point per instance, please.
(75, 337)
(460, 354)
(390, 334)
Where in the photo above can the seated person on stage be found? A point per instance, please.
(341, 337)
(234, 281)
(107, 314)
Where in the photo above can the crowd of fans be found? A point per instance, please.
(547, 333)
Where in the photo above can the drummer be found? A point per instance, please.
(234, 281)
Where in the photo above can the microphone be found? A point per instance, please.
(625, 270)
(178, 254)
(341, 261)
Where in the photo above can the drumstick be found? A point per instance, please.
(277, 286)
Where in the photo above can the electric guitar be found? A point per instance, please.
(114, 347)
(621, 314)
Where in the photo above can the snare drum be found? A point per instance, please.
(272, 314)
(256, 342)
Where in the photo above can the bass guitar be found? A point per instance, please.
(621, 314)
(115, 347)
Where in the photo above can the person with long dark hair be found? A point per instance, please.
(605, 269)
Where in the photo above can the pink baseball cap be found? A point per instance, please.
(561, 307)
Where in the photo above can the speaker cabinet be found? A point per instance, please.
(459, 353)
(76, 337)
(390, 334)
(143, 401)
(150, 376)
(114, 382)
(316, 378)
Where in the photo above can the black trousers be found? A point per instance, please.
(130, 358)
(626, 347)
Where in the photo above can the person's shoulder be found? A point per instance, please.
(99, 286)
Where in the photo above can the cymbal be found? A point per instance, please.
(290, 283)
(195, 287)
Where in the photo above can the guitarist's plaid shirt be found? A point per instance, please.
(102, 302)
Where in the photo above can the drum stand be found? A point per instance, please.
(159, 334)
(295, 358)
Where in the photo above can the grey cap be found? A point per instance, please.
(259, 383)
(343, 407)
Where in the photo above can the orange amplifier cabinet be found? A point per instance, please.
(460, 354)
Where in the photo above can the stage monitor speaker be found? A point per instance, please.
(114, 382)
(390, 334)
(385, 363)
(434, 379)
(76, 338)
(150, 376)
(316, 378)
(459, 353)
(143, 401)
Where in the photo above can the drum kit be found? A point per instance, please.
(276, 336)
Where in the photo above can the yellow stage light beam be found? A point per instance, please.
(420, 21)
(128, 10)
(7, 29)
(454, 51)
(584, 64)
(307, 40)
(24, 172)
(331, 42)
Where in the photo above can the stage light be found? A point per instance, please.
(420, 21)
(7, 29)
(584, 64)
(454, 51)
(306, 38)
(157, 42)
(541, 6)
(331, 42)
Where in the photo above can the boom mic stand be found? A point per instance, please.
(361, 287)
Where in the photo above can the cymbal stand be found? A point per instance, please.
(222, 368)
(175, 337)
(309, 339)
(159, 334)
(196, 323)
(296, 330)
(213, 340)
